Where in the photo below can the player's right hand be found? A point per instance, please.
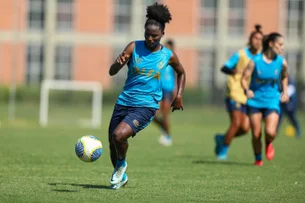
(250, 94)
(122, 58)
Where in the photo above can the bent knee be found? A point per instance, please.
(118, 136)
(245, 128)
(271, 132)
(256, 134)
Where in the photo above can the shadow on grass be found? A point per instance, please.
(86, 186)
(58, 190)
(219, 162)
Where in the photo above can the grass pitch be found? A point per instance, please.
(39, 164)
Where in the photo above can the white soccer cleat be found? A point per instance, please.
(165, 140)
(120, 184)
(118, 173)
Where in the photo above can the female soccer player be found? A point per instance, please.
(168, 87)
(236, 98)
(266, 71)
(137, 104)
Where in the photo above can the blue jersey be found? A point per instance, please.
(143, 86)
(265, 83)
(168, 79)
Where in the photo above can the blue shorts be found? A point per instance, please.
(167, 95)
(264, 111)
(136, 117)
(235, 106)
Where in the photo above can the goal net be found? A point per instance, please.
(69, 102)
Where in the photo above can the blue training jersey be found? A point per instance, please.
(168, 79)
(143, 86)
(265, 83)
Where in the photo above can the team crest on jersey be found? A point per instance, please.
(138, 60)
(136, 123)
(160, 65)
(259, 72)
(276, 72)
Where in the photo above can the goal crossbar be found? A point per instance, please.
(95, 87)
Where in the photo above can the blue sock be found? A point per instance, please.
(258, 156)
(124, 176)
(224, 149)
(120, 163)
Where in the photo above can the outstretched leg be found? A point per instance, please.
(256, 126)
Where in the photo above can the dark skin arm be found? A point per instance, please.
(228, 71)
(181, 78)
(122, 59)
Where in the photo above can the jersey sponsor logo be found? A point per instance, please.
(160, 65)
(268, 81)
(148, 73)
(138, 60)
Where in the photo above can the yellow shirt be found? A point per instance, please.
(238, 61)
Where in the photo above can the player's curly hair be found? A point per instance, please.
(158, 14)
(258, 29)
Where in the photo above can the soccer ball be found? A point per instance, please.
(88, 148)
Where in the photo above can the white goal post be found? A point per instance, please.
(95, 87)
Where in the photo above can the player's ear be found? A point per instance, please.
(163, 33)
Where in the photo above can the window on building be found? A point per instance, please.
(122, 16)
(294, 19)
(208, 17)
(63, 65)
(34, 70)
(207, 69)
(36, 10)
(120, 78)
(236, 18)
(64, 15)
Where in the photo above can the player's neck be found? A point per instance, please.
(155, 49)
(253, 50)
(269, 56)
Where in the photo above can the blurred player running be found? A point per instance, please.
(266, 71)
(290, 108)
(236, 98)
(168, 86)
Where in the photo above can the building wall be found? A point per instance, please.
(260, 12)
(95, 44)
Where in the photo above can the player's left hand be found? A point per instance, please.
(177, 104)
(284, 97)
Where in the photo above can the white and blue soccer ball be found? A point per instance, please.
(88, 148)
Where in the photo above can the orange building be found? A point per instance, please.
(78, 40)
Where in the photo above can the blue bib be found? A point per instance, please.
(265, 83)
(168, 79)
(143, 86)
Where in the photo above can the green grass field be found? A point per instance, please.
(39, 164)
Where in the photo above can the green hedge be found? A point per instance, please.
(194, 96)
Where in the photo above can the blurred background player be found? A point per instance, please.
(137, 104)
(236, 98)
(266, 71)
(168, 87)
(290, 108)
